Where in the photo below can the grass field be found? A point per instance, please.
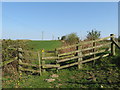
(47, 45)
(102, 73)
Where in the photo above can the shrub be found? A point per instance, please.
(71, 38)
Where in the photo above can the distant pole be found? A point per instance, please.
(42, 35)
(52, 37)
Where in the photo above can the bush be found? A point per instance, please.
(70, 38)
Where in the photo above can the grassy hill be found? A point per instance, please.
(47, 45)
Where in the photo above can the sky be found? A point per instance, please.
(28, 20)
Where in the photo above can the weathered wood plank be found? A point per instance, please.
(88, 60)
(49, 58)
(64, 57)
(27, 64)
(51, 66)
(67, 59)
(69, 65)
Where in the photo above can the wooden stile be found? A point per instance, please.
(64, 57)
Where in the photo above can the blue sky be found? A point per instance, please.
(27, 20)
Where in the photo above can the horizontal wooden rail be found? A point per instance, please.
(49, 58)
(8, 61)
(30, 70)
(82, 43)
(84, 49)
(54, 58)
(69, 65)
(67, 59)
(27, 64)
(50, 66)
(64, 57)
(88, 60)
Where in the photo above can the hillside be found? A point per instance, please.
(47, 45)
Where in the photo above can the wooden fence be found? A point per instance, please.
(79, 53)
(98, 49)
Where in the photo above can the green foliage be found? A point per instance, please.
(71, 38)
(94, 34)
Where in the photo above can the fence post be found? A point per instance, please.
(94, 44)
(43, 62)
(79, 54)
(56, 54)
(20, 59)
(112, 45)
(39, 62)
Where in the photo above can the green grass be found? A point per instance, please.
(47, 45)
